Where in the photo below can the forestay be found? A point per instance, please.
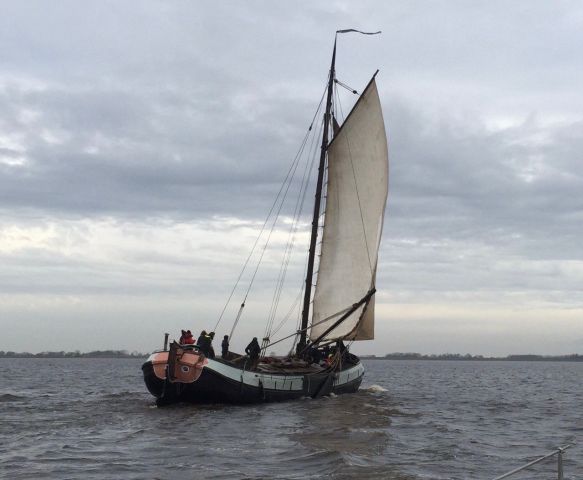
(355, 205)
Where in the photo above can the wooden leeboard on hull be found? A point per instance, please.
(187, 369)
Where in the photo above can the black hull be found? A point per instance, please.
(220, 383)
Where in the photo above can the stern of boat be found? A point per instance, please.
(165, 371)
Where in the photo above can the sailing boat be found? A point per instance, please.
(342, 310)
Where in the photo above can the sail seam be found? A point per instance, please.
(359, 204)
(356, 184)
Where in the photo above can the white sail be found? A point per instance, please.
(355, 205)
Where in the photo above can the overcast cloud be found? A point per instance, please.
(142, 144)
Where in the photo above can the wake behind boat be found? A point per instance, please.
(353, 180)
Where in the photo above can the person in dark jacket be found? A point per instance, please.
(253, 349)
(225, 347)
(204, 343)
(182, 337)
(314, 355)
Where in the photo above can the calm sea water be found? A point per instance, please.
(93, 419)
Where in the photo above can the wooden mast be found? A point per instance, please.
(317, 202)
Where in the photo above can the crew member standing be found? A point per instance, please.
(225, 347)
(204, 343)
(188, 338)
(253, 350)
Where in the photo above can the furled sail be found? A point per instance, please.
(356, 197)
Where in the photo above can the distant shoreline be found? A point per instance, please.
(390, 356)
(469, 358)
(77, 354)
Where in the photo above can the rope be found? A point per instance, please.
(287, 184)
(291, 239)
(236, 320)
(288, 314)
(287, 254)
(341, 312)
(268, 238)
(270, 212)
(260, 233)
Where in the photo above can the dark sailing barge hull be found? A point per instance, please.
(198, 379)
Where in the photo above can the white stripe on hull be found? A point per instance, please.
(349, 375)
(279, 381)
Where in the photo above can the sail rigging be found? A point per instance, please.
(353, 227)
(356, 197)
(351, 192)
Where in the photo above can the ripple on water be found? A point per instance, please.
(9, 397)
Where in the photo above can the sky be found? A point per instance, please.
(142, 145)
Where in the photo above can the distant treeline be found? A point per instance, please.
(574, 357)
(76, 354)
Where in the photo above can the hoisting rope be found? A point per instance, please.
(298, 209)
(287, 181)
(341, 312)
(287, 316)
(237, 319)
(259, 236)
(299, 313)
(266, 244)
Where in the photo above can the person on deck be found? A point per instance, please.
(211, 353)
(188, 338)
(204, 343)
(253, 350)
(182, 337)
(329, 359)
(225, 347)
(314, 354)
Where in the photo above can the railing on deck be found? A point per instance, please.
(558, 452)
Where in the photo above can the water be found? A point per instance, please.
(93, 419)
